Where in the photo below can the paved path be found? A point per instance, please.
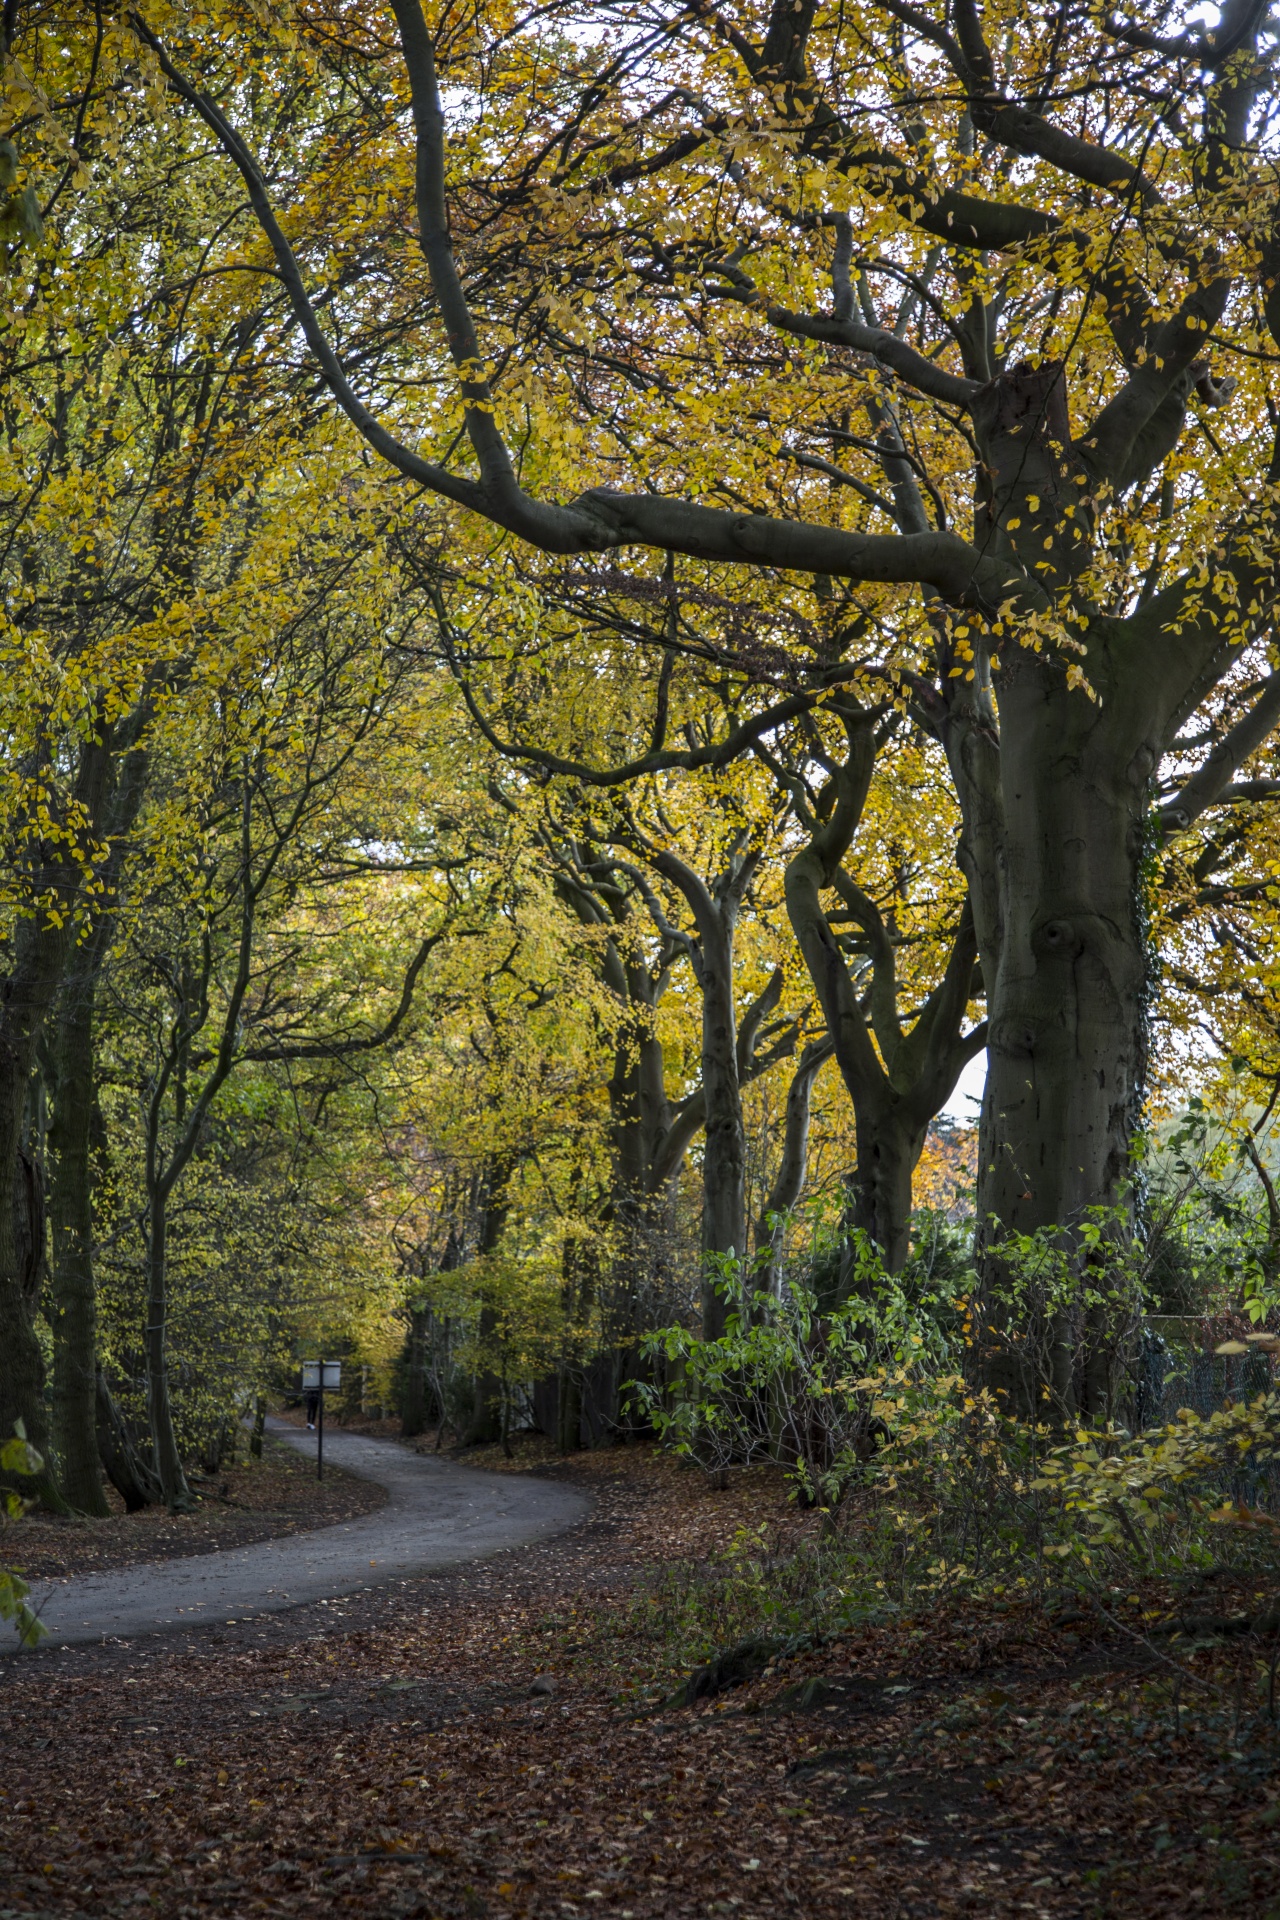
(436, 1514)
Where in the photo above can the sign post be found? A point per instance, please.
(316, 1376)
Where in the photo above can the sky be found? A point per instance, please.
(965, 1101)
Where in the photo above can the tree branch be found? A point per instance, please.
(465, 492)
(915, 368)
(367, 1043)
(753, 1017)
(1211, 783)
(958, 571)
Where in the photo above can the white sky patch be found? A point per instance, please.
(967, 1099)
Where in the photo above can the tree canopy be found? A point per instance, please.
(598, 602)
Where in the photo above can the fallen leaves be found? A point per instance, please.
(394, 1762)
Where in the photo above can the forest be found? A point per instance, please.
(639, 797)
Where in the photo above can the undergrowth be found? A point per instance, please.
(966, 1509)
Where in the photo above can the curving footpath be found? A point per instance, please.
(437, 1514)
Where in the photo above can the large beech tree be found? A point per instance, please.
(740, 1040)
(971, 310)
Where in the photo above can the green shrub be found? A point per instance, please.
(788, 1383)
(18, 1457)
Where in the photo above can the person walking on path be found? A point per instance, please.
(311, 1399)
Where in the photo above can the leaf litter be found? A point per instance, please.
(384, 1754)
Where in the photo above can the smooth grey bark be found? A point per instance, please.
(1056, 842)
(1069, 973)
(1058, 846)
(789, 1180)
(73, 1295)
(898, 1079)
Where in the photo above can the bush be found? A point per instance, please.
(19, 1458)
(789, 1384)
(965, 1503)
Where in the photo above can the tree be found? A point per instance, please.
(139, 454)
(493, 1118)
(72, 1091)
(900, 1063)
(116, 401)
(651, 1133)
(264, 825)
(891, 957)
(1046, 245)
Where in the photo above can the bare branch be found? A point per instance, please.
(1211, 783)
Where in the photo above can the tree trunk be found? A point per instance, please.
(485, 1425)
(645, 1152)
(40, 948)
(724, 1165)
(888, 1151)
(789, 1182)
(168, 1462)
(21, 1363)
(578, 1294)
(75, 1312)
(125, 1468)
(76, 1420)
(22, 1234)
(897, 1080)
(1066, 964)
(413, 1414)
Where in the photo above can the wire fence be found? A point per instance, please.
(1171, 1376)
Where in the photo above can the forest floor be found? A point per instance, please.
(385, 1755)
(257, 1500)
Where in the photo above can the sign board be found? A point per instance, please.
(311, 1372)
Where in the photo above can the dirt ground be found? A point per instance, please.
(485, 1742)
(257, 1500)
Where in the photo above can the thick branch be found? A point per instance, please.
(883, 994)
(557, 529)
(1211, 782)
(752, 1020)
(958, 571)
(465, 492)
(598, 520)
(915, 368)
(1013, 125)
(789, 1184)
